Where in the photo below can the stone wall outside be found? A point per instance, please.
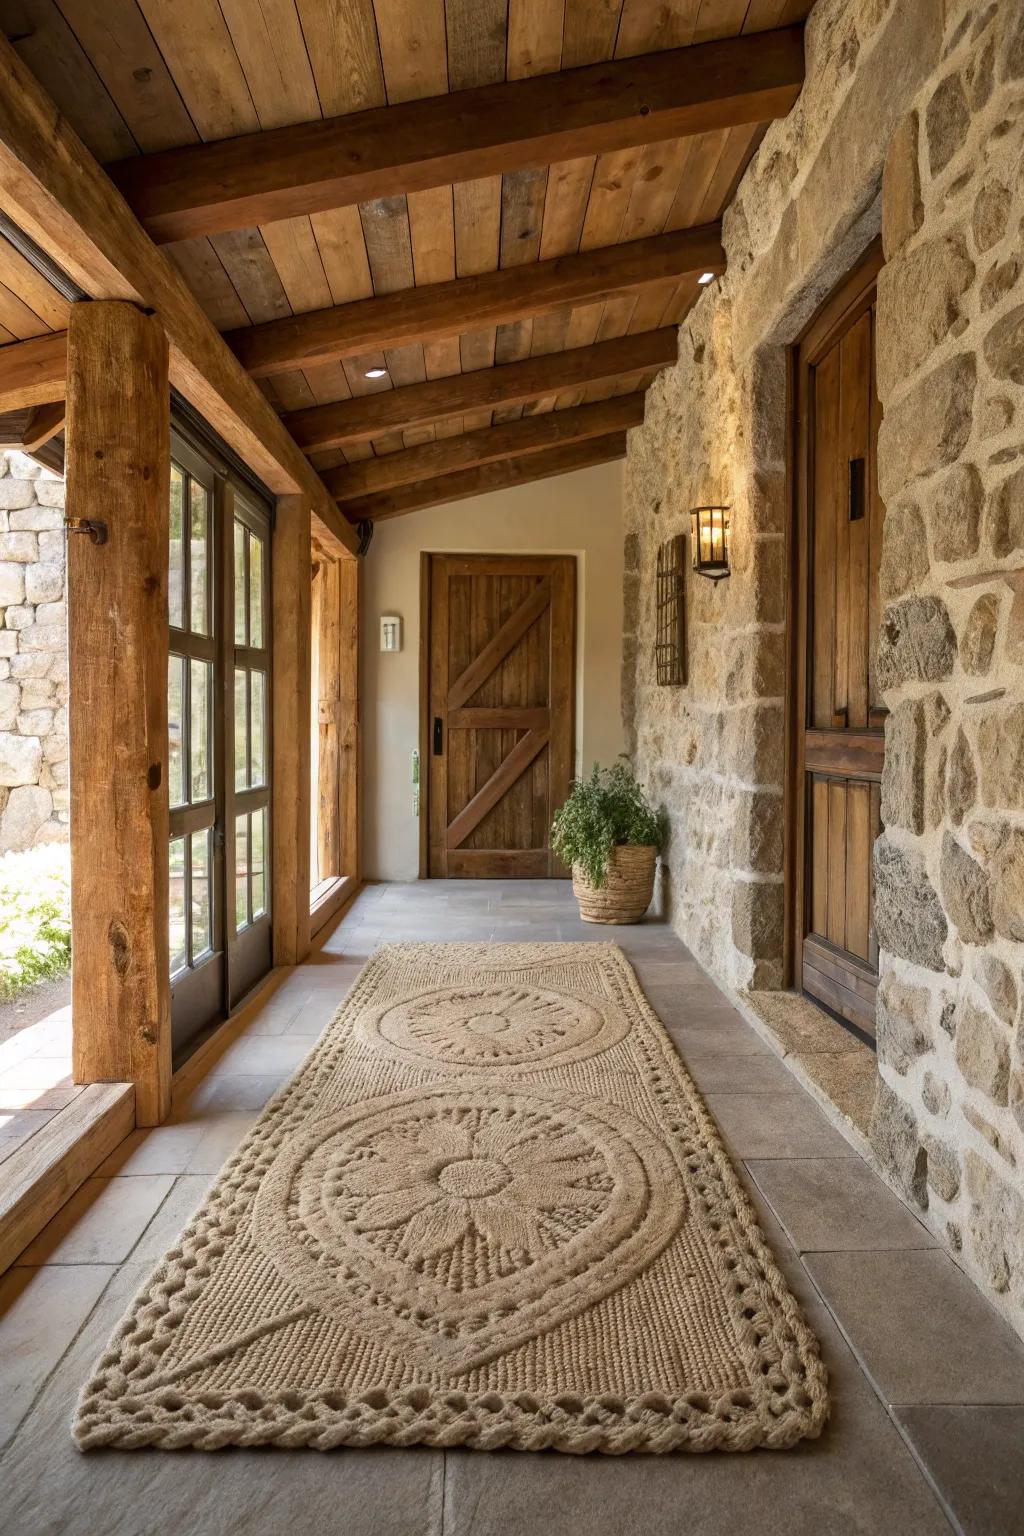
(935, 92)
(33, 656)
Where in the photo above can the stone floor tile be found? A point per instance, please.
(222, 1133)
(252, 1055)
(835, 1204)
(41, 1310)
(722, 1037)
(102, 1221)
(165, 1149)
(235, 1092)
(923, 1331)
(776, 1125)
(975, 1458)
(754, 1072)
(173, 1216)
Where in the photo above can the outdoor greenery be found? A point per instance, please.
(609, 807)
(35, 917)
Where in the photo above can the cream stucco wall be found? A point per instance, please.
(578, 514)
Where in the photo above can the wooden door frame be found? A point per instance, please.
(426, 567)
(851, 297)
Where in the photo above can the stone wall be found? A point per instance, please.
(33, 656)
(932, 91)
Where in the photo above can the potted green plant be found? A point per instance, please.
(610, 834)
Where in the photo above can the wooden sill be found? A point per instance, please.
(329, 899)
(37, 1179)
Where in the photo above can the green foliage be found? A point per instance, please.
(35, 917)
(608, 808)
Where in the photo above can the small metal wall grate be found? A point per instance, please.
(670, 644)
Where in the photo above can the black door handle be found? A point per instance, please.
(438, 737)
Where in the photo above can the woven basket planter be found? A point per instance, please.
(627, 890)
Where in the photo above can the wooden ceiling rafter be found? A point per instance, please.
(461, 137)
(394, 410)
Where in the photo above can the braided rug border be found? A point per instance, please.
(119, 1408)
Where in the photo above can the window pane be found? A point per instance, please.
(241, 730)
(240, 636)
(201, 937)
(255, 590)
(176, 927)
(200, 508)
(259, 879)
(257, 746)
(199, 732)
(241, 871)
(175, 690)
(176, 573)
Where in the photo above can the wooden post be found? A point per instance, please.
(350, 580)
(118, 470)
(328, 639)
(292, 603)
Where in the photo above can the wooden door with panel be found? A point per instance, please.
(499, 724)
(840, 747)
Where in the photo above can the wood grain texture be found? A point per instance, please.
(291, 694)
(532, 434)
(312, 166)
(118, 472)
(33, 372)
(328, 426)
(447, 309)
(487, 477)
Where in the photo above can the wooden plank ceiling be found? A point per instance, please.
(141, 77)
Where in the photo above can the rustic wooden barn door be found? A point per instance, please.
(840, 718)
(499, 711)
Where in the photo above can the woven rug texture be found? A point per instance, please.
(490, 1209)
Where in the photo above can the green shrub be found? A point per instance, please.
(35, 917)
(608, 808)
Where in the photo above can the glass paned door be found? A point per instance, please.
(218, 744)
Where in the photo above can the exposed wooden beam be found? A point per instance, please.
(533, 434)
(44, 422)
(54, 190)
(33, 372)
(309, 167)
(467, 303)
(487, 477)
(395, 410)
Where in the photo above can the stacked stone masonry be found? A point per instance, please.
(911, 122)
(33, 656)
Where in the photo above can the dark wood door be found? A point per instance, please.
(499, 717)
(840, 718)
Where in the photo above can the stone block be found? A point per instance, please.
(1006, 873)
(1004, 346)
(1000, 738)
(977, 642)
(757, 832)
(52, 613)
(909, 920)
(928, 427)
(935, 1095)
(757, 919)
(998, 281)
(44, 583)
(12, 584)
(20, 759)
(961, 780)
(37, 693)
(23, 548)
(903, 778)
(943, 1167)
(768, 580)
(916, 644)
(904, 551)
(919, 297)
(22, 617)
(36, 520)
(902, 210)
(15, 494)
(996, 981)
(995, 1224)
(51, 493)
(954, 513)
(44, 637)
(754, 744)
(983, 1052)
(53, 548)
(10, 698)
(894, 1138)
(947, 122)
(8, 642)
(35, 722)
(903, 1031)
(34, 664)
(991, 215)
(28, 807)
(1004, 517)
(965, 893)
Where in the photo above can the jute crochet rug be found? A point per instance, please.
(491, 1210)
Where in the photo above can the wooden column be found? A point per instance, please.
(118, 469)
(328, 642)
(292, 706)
(350, 778)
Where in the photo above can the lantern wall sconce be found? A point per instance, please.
(709, 539)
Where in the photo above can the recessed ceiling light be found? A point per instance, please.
(379, 373)
(706, 277)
